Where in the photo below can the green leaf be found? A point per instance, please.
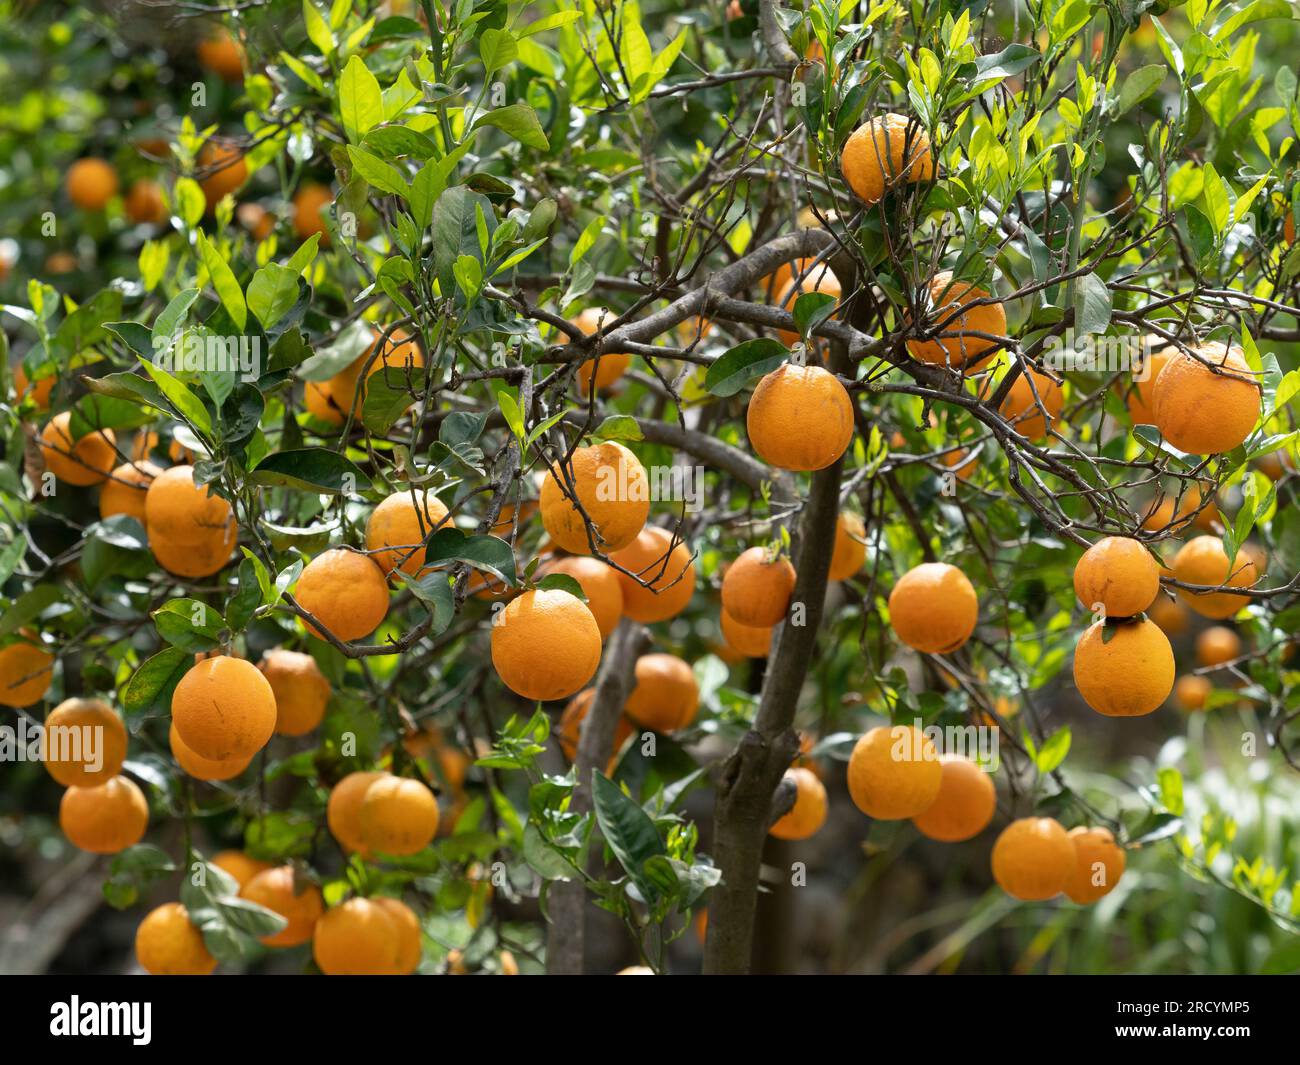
(1092, 305)
(186, 403)
(520, 122)
(489, 553)
(383, 176)
(272, 293)
(305, 255)
(734, 370)
(1053, 752)
(173, 315)
(189, 624)
(1215, 192)
(313, 469)
(360, 101)
(1139, 85)
(149, 691)
(223, 280)
(628, 830)
(318, 30)
(497, 49)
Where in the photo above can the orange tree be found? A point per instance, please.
(447, 437)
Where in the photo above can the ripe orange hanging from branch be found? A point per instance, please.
(800, 418)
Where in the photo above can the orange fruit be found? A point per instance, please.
(959, 319)
(933, 608)
(199, 560)
(1203, 561)
(209, 769)
(1141, 395)
(401, 525)
(821, 279)
(545, 644)
(1160, 516)
(800, 418)
(965, 804)
(570, 729)
(894, 773)
(1203, 412)
(1118, 573)
(124, 491)
(357, 938)
(509, 967)
(240, 866)
(806, 817)
(40, 390)
(300, 689)
(757, 588)
(223, 171)
(398, 360)
(850, 551)
(26, 671)
(85, 743)
(343, 811)
(883, 152)
(87, 461)
(779, 278)
(222, 55)
(308, 204)
(397, 815)
(665, 697)
(1033, 859)
(1288, 227)
(409, 945)
(611, 484)
(144, 203)
(635, 970)
(181, 514)
(600, 584)
(1217, 645)
(106, 818)
(1124, 670)
(224, 709)
(750, 640)
(1098, 864)
(91, 183)
(344, 591)
(256, 219)
(1192, 692)
(320, 403)
(298, 901)
(612, 364)
(168, 944)
(1025, 412)
(666, 579)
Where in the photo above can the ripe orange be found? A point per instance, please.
(1120, 574)
(222, 55)
(345, 591)
(545, 644)
(240, 866)
(1216, 645)
(74, 729)
(308, 205)
(885, 151)
(199, 560)
(85, 462)
(343, 811)
(224, 709)
(320, 403)
(409, 944)
(600, 584)
(200, 768)
(224, 171)
(821, 279)
(1203, 561)
(1127, 671)
(850, 550)
(256, 219)
(144, 203)
(40, 390)
(894, 773)
(808, 814)
(611, 484)
(800, 418)
(298, 901)
(91, 183)
(1141, 396)
(965, 804)
(1192, 692)
(357, 938)
(181, 514)
(670, 576)
(612, 364)
(106, 818)
(1033, 859)
(570, 729)
(665, 696)
(168, 944)
(779, 278)
(1202, 412)
(750, 640)
(1098, 864)
(400, 361)
(1160, 515)
(402, 525)
(124, 491)
(1025, 412)
(959, 318)
(933, 608)
(757, 588)
(398, 815)
(300, 688)
(26, 671)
